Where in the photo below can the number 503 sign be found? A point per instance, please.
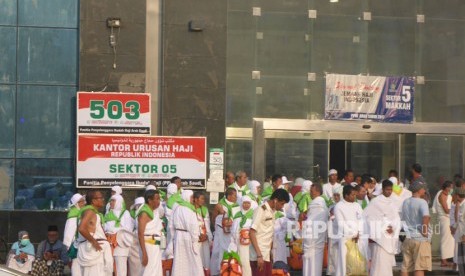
(113, 113)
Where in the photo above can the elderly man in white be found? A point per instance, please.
(315, 231)
(383, 224)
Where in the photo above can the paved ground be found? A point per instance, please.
(437, 270)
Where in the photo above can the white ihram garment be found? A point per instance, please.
(242, 250)
(314, 237)
(447, 240)
(348, 223)
(152, 228)
(186, 259)
(380, 214)
(91, 261)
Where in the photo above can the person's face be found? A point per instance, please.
(178, 183)
(371, 185)
(277, 183)
(259, 190)
(229, 179)
(422, 193)
(362, 193)
(81, 202)
(112, 204)
(98, 200)
(200, 201)
(154, 202)
(337, 198)
(52, 236)
(358, 179)
(232, 197)
(242, 179)
(351, 197)
(246, 205)
(387, 192)
(314, 193)
(279, 204)
(333, 178)
(349, 178)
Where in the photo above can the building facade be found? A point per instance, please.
(249, 75)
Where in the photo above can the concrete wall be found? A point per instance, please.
(194, 69)
(96, 56)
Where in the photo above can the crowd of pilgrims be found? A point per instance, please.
(346, 228)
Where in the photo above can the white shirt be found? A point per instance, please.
(328, 189)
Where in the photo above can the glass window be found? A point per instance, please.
(443, 58)
(42, 181)
(49, 13)
(7, 54)
(297, 155)
(391, 52)
(441, 157)
(6, 183)
(239, 155)
(47, 56)
(8, 12)
(338, 45)
(45, 116)
(7, 120)
(440, 101)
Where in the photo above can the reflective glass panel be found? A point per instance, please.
(42, 181)
(47, 56)
(48, 13)
(391, 52)
(6, 183)
(7, 54)
(45, 116)
(7, 120)
(239, 155)
(441, 157)
(8, 12)
(297, 155)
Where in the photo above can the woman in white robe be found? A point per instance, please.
(240, 242)
(118, 219)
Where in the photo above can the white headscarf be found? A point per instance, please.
(253, 187)
(118, 204)
(138, 202)
(299, 181)
(171, 189)
(75, 199)
(306, 186)
(186, 195)
(246, 198)
(150, 187)
(117, 190)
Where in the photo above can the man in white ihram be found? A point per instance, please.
(315, 231)
(187, 260)
(348, 226)
(383, 224)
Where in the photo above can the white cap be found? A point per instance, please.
(138, 201)
(117, 190)
(393, 180)
(306, 186)
(331, 172)
(150, 187)
(172, 189)
(285, 180)
(75, 199)
(186, 195)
